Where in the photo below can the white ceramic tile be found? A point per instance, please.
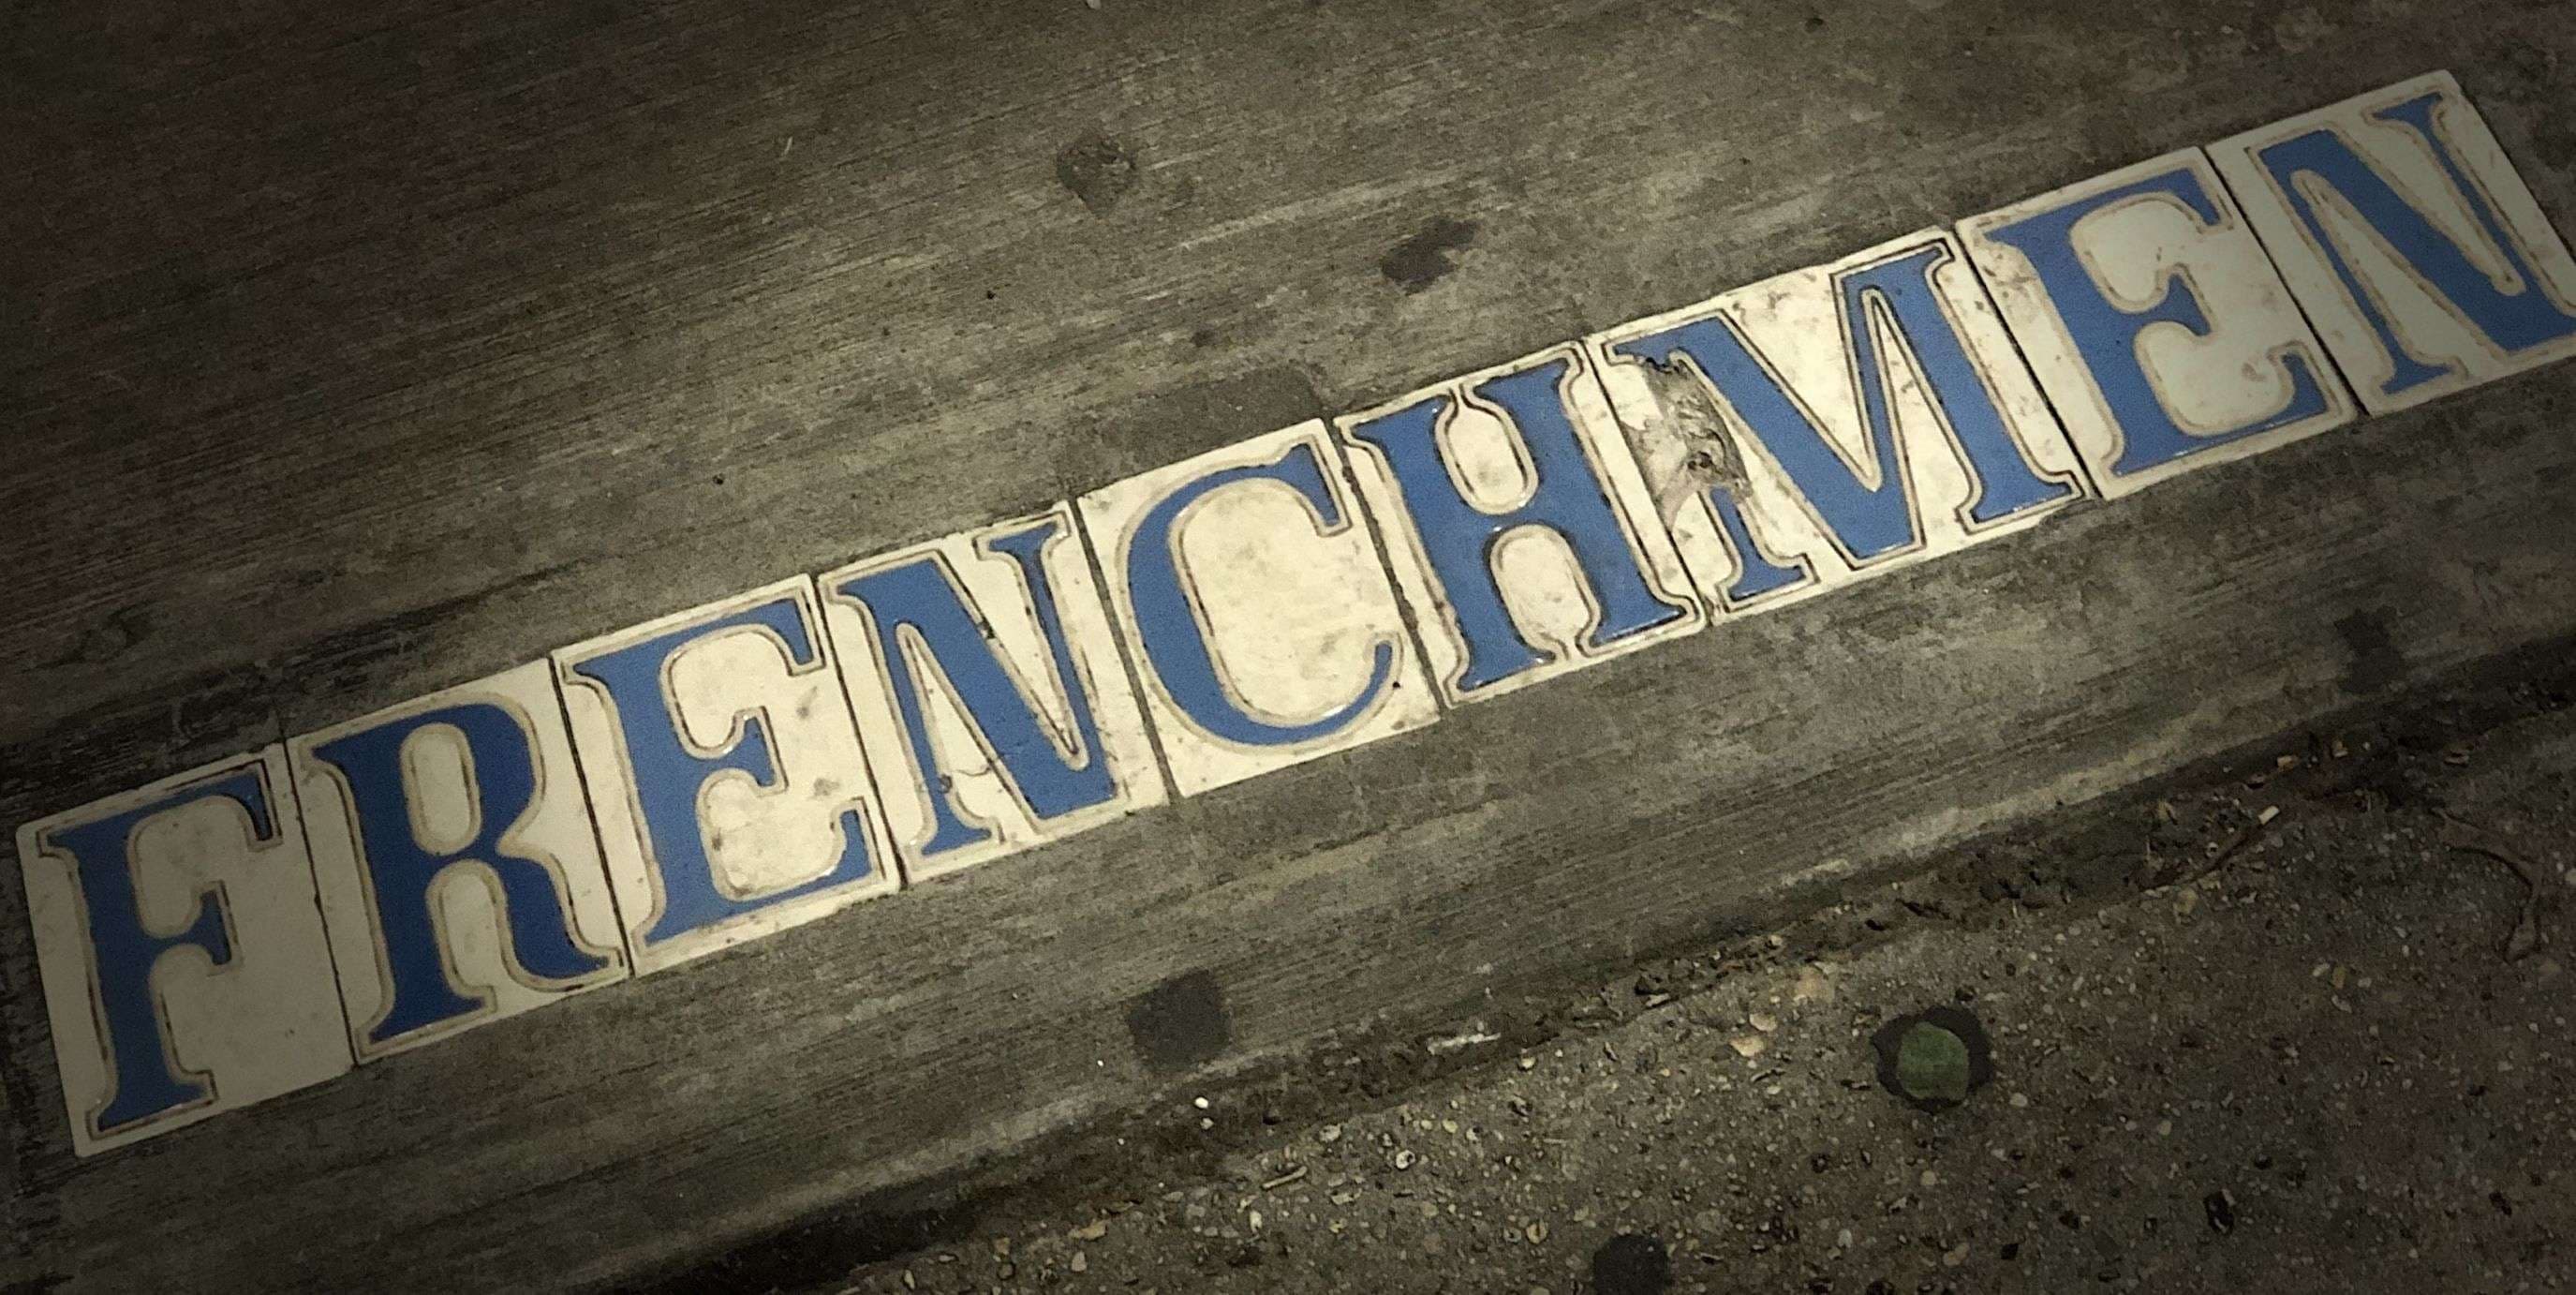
(185, 967)
(1006, 719)
(1520, 529)
(2155, 323)
(1256, 609)
(460, 876)
(1834, 421)
(725, 773)
(2413, 244)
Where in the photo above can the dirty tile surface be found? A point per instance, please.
(184, 963)
(459, 872)
(2409, 239)
(2155, 323)
(1834, 421)
(990, 692)
(1519, 527)
(726, 774)
(1257, 610)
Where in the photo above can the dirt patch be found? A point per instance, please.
(1181, 1023)
(1427, 257)
(2266, 1026)
(1098, 170)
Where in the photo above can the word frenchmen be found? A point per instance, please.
(654, 795)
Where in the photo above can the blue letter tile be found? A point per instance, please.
(1522, 534)
(1836, 421)
(725, 772)
(2410, 241)
(460, 875)
(1256, 609)
(2155, 323)
(991, 697)
(185, 967)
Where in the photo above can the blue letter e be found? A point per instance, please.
(668, 775)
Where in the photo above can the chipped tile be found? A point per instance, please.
(459, 873)
(2154, 322)
(1006, 719)
(2409, 239)
(1256, 609)
(725, 772)
(1519, 527)
(1836, 421)
(184, 962)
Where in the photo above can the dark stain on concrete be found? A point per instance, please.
(2554, 139)
(2376, 662)
(1184, 421)
(1426, 257)
(1098, 169)
(1629, 1264)
(822, 1248)
(1180, 1023)
(111, 638)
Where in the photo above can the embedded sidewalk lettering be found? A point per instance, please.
(660, 793)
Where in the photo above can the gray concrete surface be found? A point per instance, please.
(378, 347)
(2296, 1024)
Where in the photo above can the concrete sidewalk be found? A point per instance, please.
(2298, 1023)
(379, 349)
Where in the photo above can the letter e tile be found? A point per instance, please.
(2155, 323)
(725, 772)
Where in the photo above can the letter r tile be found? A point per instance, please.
(184, 962)
(725, 772)
(459, 871)
(1522, 533)
(1256, 609)
(1835, 422)
(991, 696)
(2155, 323)
(2409, 239)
